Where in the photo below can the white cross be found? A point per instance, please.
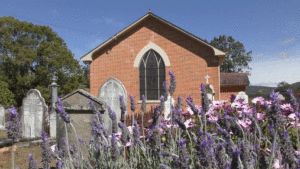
(207, 77)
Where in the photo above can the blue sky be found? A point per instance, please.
(270, 29)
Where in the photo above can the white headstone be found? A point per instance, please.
(167, 106)
(2, 118)
(281, 97)
(33, 110)
(242, 95)
(110, 92)
(211, 95)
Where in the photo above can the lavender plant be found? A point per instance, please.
(235, 136)
(13, 129)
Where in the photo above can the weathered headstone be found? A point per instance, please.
(2, 118)
(53, 118)
(167, 107)
(34, 110)
(242, 95)
(211, 95)
(81, 114)
(110, 92)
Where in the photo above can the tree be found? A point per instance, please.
(237, 58)
(29, 56)
(282, 88)
(6, 96)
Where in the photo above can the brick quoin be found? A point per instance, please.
(190, 61)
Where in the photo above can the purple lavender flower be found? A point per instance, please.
(133, 107)
(169, 140)
(114, 122)
(192, 106)
(122, 104)
(183, 154)
(274, 114)
(136, 133)
(221, 154)
(143, 107)
(232, 98)
(163, 166)
(155, 139)
(46, 153)
(115, 153)
(32, 164)
(172, 82)
(287, 149)
(165, 91)
(81, 140)
(161, 105)
(205, 102)
(64, 150)
(293, 100)
(62, 111)
(156, 116)
(94, 108)
(178, 102)
(59, 164)
(14, 124)
(234, 162)
(180, 124)
(125, 133)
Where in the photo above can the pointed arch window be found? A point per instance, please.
(152, 75)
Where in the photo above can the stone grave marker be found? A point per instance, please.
(167, 106)
(110, 92)
(242, 95)
(34, 110)
(2, 118)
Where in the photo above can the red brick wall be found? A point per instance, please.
(190, 60)
(227, 90)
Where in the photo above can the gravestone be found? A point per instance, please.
(167, 107)
(2, 118)
(110, 92)
(34, 110)
(211, 95)
(78, 109)
(281, 97)
(242, 95)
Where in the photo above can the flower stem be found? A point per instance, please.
(78, 144)
(12, 155)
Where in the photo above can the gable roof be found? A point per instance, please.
(88, 57)
(78, 100)
(234, 79)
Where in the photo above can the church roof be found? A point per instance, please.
(234, 79)
(88, 57)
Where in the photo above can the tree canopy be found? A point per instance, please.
(237, 58)
(29, 56)
(282, 88)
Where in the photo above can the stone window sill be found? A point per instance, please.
(149, 101)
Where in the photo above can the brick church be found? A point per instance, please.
(137, 61)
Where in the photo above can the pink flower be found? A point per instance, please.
(189, 110)
(236, 105)
(213, 118)
(260, 116)
(258, 100)
(276, 164)
(245, 124)
(150, 121)
(292, 116)
(189, 123)
(268, 150)
(118, 135)
(128, 143)
(218, 104)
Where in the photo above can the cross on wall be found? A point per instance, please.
(207, 77)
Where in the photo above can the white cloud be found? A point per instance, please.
(271, 70)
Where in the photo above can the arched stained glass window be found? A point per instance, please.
(152, 75)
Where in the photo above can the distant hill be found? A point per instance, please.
(255, 91)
